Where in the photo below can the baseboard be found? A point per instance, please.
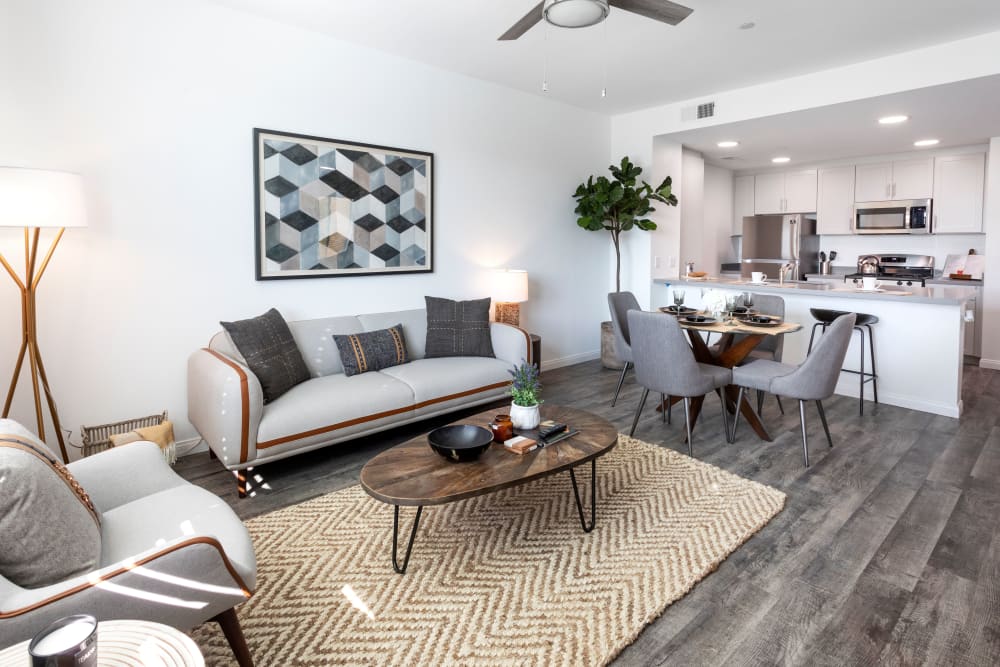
(992, 364)
(190, 446)
(849, 387)
(551, 364)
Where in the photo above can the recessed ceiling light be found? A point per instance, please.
(779, 160)
(747, 26)
(728, 144)
(927, 142)
(893, 120)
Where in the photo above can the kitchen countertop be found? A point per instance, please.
(945, 295)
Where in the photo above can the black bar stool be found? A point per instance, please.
(825, 318)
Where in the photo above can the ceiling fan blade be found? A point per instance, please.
(524, 24)
(658, 10)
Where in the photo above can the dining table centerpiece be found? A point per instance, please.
(525, 390)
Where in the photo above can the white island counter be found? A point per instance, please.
(919, 338)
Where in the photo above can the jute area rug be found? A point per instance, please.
(503, 579)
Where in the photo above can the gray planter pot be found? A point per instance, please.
(609, 358)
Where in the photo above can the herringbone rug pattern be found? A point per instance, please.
(503, 579)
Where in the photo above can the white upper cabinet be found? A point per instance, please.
(742, 201)
(800, 191)
(902, 179)
(958, 193)
(785, 192)
(835, 200)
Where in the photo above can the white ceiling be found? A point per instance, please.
(958, 114)
(645, 63)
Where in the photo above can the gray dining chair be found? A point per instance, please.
(771, 347)
(664, 363)
(813, 380)
(620, 303)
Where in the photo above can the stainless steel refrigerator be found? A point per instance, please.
(769, 241)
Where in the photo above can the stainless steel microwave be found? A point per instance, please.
(903, 216)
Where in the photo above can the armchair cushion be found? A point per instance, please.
(270, 351)
(48, 525)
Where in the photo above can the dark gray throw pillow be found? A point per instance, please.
(270, 351)
(371, 350)
(458, 328)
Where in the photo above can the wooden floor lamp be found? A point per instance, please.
(32, 199)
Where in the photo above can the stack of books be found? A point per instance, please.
(548, 433)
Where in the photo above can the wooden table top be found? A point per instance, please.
(413, 474)
(735, 326)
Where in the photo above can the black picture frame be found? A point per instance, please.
(329, 208)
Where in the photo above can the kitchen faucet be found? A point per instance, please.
(785, 268)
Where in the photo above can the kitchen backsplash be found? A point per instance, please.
(939, 245)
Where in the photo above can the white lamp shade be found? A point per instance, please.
(41, 198)
(575, 13)
(510, 286)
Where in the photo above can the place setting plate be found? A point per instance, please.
(678, 310)
(698, 320)
(760, 321)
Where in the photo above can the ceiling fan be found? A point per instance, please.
(583, 13)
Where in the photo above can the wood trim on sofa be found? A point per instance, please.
(125, 568)
(378, 415)
(244, 403)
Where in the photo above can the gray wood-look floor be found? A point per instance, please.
(887, 552)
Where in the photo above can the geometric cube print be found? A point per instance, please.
(336, 208)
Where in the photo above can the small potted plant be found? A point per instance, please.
(524, 392)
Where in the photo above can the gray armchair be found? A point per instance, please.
(665, 363)
(620, 304)
(170, 552)
(814, 379)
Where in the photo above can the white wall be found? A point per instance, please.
(718, 246)
(154, 103)
(693, 232)
(990, 350)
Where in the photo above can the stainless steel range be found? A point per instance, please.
(896, 268)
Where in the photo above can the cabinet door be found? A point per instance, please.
(769, 193)
(742, 202)
(835, 200)
(913, 179)
(873, 182)
(800, 191)
(958, 193)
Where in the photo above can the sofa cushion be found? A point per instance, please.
(372, 350)
(333, 404)
(315, 341)
(48, 525)
(270, 351)
(436, 381)
(458, 328)
(414, 327)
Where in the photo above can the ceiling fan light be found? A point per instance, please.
(575, 13)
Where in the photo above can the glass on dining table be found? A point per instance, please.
(748, 301)
(732, 303)
(678, 298)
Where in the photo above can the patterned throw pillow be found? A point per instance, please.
(49, 527)
(458, 328)
(371, 350)
(270, 351)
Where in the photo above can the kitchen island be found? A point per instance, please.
(919, 339)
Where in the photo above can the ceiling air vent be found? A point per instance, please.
(702, 111)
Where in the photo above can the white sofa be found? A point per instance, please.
(226, 406)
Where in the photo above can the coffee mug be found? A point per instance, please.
(870, 283)
(758, 277)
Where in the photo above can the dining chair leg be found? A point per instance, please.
(638, 410)
(805, 439)
(781, 407)
(822, 418)
(725, 417)
(670, 412)
(687, 423)
(736, 417)
(621, 381)
(760, 401)
(663, 413)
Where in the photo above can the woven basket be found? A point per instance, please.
(98, 438)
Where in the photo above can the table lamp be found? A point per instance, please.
(31, 199)
(510, 288)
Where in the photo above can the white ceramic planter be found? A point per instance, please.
(524, 418)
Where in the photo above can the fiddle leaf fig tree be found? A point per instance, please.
(618, 205)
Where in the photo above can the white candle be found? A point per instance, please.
(64, 638)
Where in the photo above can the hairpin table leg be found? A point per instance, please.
(593, 497)
(395, 538)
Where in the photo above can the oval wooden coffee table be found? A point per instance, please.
(413, 475)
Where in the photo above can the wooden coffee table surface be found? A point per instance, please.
(412, 474)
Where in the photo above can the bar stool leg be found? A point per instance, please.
(813, 335)
(861, 373)
(871, 347)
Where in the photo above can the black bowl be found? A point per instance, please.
(460, 442)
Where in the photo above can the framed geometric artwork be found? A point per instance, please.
(327, 208)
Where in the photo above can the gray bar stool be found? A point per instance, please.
(824, 318)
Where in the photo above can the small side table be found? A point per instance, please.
(536, 350)
(128, 643)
